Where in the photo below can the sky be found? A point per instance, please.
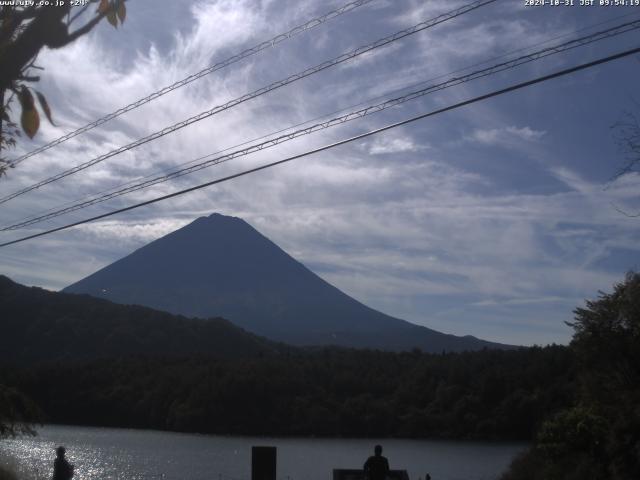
(494, 220)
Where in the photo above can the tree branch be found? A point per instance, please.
(625, 213)
(29, 78)
(46, 29)
(85, 29)
(627, 136)
(26, 14)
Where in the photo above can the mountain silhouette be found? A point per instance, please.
(220, 266)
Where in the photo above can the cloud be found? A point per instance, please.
(131, 233)
(414, 222)
(388, 144)
(505, 136)
(519, 301)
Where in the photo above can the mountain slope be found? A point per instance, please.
(42, 326)
(221, 266)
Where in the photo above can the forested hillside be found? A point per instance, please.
(487, 394)
(42, 326)
(91, 362)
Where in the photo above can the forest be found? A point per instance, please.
(596, 436)
(328, 392)
(88, 361)
(578, 405)
(39, 326)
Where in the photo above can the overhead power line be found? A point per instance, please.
(480, 98)
(261, 91)
(196, 76)
(396, 92)
(371, 109)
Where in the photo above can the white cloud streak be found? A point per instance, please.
(410, 222)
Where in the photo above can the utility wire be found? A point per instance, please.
(196, 76)
(395, 91)
(480, 98)
(261, 91)
(75, 204)
(369, 110)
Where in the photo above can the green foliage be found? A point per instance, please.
(328, 392)
(8, 133)
(89, 361)
(599, 437)
(577, 429)
(534, 465)
(17, 412)
(607, 340)
(25, 29)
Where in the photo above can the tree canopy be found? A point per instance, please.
(17, 412)
(599, 435)
(24, 31)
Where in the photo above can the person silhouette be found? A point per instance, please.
(376, 467)
(62, 469)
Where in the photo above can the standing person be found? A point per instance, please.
(376, 467)
(62, 469)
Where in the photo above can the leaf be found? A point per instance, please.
(112, 18)
(30, 121)
(104, 6)
(45, 107)
(122, 11)
(25, 98)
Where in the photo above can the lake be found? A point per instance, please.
(105, 453)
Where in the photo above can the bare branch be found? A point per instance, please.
(624, 212)
(85, 29)
(627, 136)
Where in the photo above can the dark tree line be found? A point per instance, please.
(73, 355)
(580, 404)
(598, 435)
(330, 392)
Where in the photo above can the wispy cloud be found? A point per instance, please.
(417, 222)
(392, 143)
(506, 135)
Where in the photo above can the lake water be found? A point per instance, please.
(104, 453)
